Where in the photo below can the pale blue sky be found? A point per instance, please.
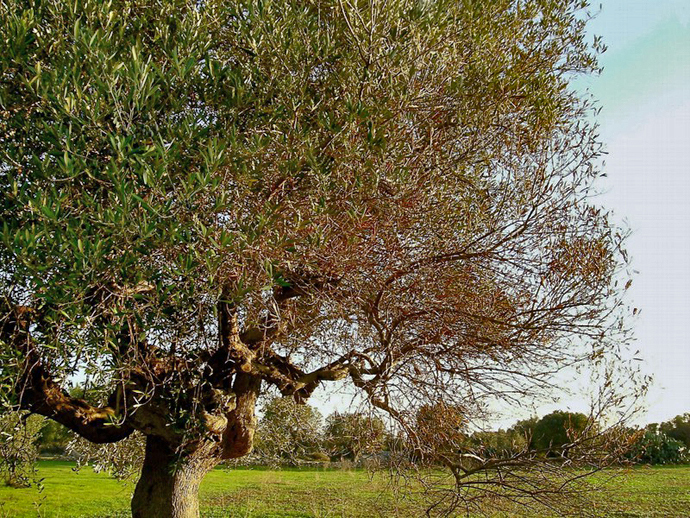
(644, 92)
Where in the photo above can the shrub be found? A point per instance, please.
(18, 447)
(654, 447)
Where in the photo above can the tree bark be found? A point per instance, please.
(169, 482)
(238, 437)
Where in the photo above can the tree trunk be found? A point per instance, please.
(169, 482)
(355, 457)
(238, 437)
(170, 478)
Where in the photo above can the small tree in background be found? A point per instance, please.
(288, 433)
(555, 431)
(351, 435)
(19, 432)
(439, 433)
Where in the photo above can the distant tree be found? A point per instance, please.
(351, 435)
(526, 428)
(54, 438)
(19, 433)
(678, 428)
(499, 444)
(558, 429)
(288, 432)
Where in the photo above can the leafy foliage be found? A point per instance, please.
(558, 429)
(351, 435)
(121, 460)
(288, 433)
(653, 447)
(18, 451)
(678, 428)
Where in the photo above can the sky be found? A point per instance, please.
(644, 92)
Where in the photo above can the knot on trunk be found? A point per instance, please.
(215, 424)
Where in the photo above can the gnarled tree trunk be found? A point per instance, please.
(169, 482)
(170, 477)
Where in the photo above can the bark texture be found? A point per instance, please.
(238, 437)
(170, 477)
(169, 482)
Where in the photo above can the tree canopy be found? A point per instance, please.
(678, 428)
(288, 433)
(204, 198)
(553, 432)
(353, 434)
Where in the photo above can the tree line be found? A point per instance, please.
(291, 434)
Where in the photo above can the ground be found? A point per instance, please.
(260, 493)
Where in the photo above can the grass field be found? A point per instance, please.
(642, 492)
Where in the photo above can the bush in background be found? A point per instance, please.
(655, 447)
(19, 433)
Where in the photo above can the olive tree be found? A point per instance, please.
(288, 433)
(203, 198)
(351, 435)
(19, 433)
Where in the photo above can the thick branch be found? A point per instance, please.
(39, 393)
(238, 437)
(292, 381)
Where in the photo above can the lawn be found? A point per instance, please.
(642, 492)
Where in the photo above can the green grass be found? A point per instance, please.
(66, 493)
(651, 492)
(224, 493)
(642, 492)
